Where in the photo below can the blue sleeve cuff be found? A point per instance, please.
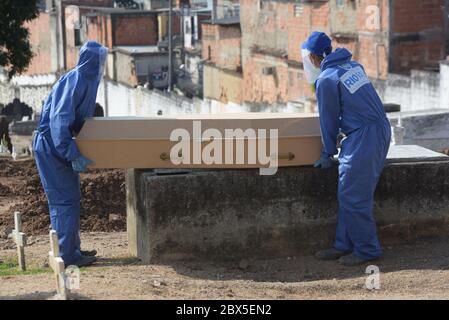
(325, 154)
(72, 151)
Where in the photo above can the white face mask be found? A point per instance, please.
(311, 72)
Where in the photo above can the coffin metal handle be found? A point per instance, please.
(286, 156)
(283, 156)
(166, 155)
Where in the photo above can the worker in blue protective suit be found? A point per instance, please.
(349, 104)
(72, 99)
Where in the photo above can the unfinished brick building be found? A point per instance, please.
(386, 36)
(112, 27)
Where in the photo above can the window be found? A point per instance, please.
(77, 34)
(341, 4)
(298, 9)
(42, 5)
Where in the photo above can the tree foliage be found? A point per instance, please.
(15, 48)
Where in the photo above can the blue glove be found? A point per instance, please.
(80, 164)
(325, 162)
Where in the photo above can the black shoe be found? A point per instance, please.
(352, 260)
(330, 254)
(84, 261)
(88, 253)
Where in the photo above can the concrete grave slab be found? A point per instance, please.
(413, 153)
(235, 214)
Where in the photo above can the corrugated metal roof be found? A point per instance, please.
(138, 49)
(224, 21)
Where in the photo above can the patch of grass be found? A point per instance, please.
(10, 267)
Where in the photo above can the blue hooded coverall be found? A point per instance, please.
(72, 99)
(347, 101)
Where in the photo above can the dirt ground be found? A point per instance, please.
(415, 271)
(103, 205)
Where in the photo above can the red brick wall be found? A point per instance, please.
(41, 45)
(221, 44)
(320, 17)
(99, 29)
(202, 18)
(288, 82)
(266, 26)
(297, 32)
(417, 16)
(176, 25)
(258, 87)
(210, 44)
(416, 55)
(135, 30)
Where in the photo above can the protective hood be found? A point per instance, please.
(338, 57)
(92, 60)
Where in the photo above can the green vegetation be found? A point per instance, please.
(10, 267)
(15, 47)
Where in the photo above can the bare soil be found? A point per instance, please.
(418, 270)
(103, 205)
(415, 271)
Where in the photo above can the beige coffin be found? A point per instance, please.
(118, 142)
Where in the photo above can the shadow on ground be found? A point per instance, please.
(43, 296)
(120, 261)
(432, 254)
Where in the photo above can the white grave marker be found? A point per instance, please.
(57, 264)
(20, 240)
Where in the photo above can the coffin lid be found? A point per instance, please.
(157, 128)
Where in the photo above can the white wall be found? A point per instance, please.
(429, 129)
(126, 101)
(419, 91)
(425, 90)
(32, 90)
(444, 85)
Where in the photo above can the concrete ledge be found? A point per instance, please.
(233, 214)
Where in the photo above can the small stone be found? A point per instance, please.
(243, 264)
(156, 283)
(114, 217)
